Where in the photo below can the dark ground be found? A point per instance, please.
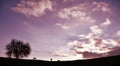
(112, 61)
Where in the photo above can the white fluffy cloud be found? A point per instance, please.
(94, 46)
(111, 42)
(83, 10)
(76, 13)
(93, 43)
(96, 30)
(82, 13)
(33, 7)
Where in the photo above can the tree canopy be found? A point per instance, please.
(18, 49)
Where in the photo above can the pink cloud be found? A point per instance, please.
(76, 13)
(106, 23)
(83, 10)
(67, 1)
(82, 13)
(101, 6)
(93, 46)
(33, 8)
(90, 45)
(63, 26)
(118, 34)
(90, 55)
(111, 42)
(89, 35)
(96, 30)
(115, 51)
(64, 52)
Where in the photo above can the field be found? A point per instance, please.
(113, 60)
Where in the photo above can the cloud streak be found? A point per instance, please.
(63, 26)
(33, 7)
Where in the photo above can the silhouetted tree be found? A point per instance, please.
(18, 49)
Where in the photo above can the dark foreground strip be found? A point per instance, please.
(114, 61)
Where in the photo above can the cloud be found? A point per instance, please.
(84, 13)
(83, 10)
(63, 26)
(106, 23)
(101, 6)
(91, 55)
(90, 35)
(91, 45)
(118, 34)
(75, 13)
(75, 57)
(64, 52)
(67, 54)
(33, 7)
(94, 46)
(115, 51)
(111, 43)
(67, 1)
(96, 30)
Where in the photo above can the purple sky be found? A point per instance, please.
(62, 29)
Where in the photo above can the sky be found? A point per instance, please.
(62, 29)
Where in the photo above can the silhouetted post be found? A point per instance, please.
(58, 60)
(50, 59)
(34, 58)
